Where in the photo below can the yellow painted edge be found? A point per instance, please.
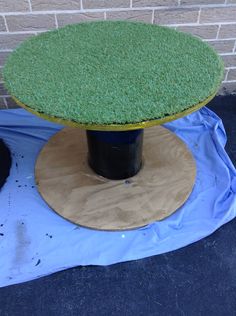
(117, 127)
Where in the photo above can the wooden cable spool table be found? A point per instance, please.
(114, 79)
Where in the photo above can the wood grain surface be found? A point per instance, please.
(75, 192)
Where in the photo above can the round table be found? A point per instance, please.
(113, 79)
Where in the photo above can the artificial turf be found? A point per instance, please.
(112, 72)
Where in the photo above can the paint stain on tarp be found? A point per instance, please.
(22, 243)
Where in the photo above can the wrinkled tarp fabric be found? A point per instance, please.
(35, 241)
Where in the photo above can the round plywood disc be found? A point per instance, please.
(75, 192)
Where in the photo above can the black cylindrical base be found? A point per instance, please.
(115, 155)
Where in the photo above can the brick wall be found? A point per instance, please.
(212, 20)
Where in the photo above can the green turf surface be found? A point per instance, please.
(112, 72)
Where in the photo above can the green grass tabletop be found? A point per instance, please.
(112, 72)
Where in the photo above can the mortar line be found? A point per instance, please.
(5, 102)
(202, 24)
(229, 81)
(6, 50)
(219, 39)
(30, 5)
(218, 31)
(198, 18)
(56, 22)
(5, 22)
(153, 12)
(228, 54)
(19, 32)
(234, 50)
(226, 75)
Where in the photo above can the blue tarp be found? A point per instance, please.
(35, 241)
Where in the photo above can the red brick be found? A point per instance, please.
(227, 14)
(175, 16)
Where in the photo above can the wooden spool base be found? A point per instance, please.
(75, 192)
